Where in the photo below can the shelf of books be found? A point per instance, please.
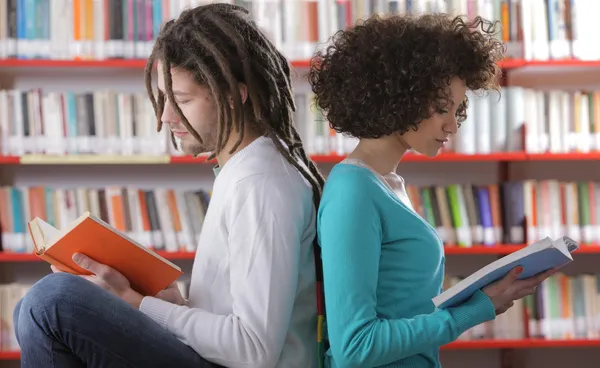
(522, 167)
(74, 126)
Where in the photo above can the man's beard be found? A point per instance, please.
(194, 148)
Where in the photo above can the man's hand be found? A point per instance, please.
(107, 278)
(172, 294)
(504, 292)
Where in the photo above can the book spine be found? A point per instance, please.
(40, 252)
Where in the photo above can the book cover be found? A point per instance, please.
(147, 272)
(535, 258)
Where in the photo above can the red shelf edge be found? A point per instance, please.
(190, 160)
(460, 345)
(31, 257)
(10, 355)
(91, 63)
(482, 249)
(521, 344)
(73, 63)
(498, 249)
(141, 63)
(443, 157)
(563, 156)
(10, 159)
(410, 157)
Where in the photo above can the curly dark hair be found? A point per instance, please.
(385, 74)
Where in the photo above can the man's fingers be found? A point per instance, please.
(96, 280)
(94, 267)
(84, 261)
(55, 269)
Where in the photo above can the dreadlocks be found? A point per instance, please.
(221, 46)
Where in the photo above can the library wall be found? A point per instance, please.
(486, 152)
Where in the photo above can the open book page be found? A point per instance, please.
(535, 258)
(49, 232)
(43, 234)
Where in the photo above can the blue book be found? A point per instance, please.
(534, 258)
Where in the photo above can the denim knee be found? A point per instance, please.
(16, 312)
(52, 288)
(49, 292)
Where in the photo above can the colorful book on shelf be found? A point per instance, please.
(147, 272)
(535, 258)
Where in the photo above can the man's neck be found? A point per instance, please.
(225, 154)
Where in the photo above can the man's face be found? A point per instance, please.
(198, 106)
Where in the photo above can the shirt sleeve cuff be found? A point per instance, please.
(157, 309)
(475, 311)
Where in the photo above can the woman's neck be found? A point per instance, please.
(382, 154)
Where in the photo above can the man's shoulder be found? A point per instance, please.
(273, 182)
(274, 168)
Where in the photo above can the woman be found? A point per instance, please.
(396, 83)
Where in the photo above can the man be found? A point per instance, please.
(222, 88)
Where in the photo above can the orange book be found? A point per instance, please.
(147, 272)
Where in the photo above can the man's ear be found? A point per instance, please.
(243, 90)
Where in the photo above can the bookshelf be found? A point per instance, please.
(470, 345)
(477, 249)
(116, 160)
(521, 344)
(485, 164)
(173, 160)
(27, 64)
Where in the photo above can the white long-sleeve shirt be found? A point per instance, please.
(252, 299)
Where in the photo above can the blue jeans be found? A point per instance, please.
(66, 321)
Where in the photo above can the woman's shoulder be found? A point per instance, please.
(346, 180)
(351, 175)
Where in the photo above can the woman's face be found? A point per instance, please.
(434, 132)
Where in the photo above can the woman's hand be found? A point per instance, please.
(504, 292)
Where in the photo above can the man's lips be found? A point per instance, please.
(179, 133)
